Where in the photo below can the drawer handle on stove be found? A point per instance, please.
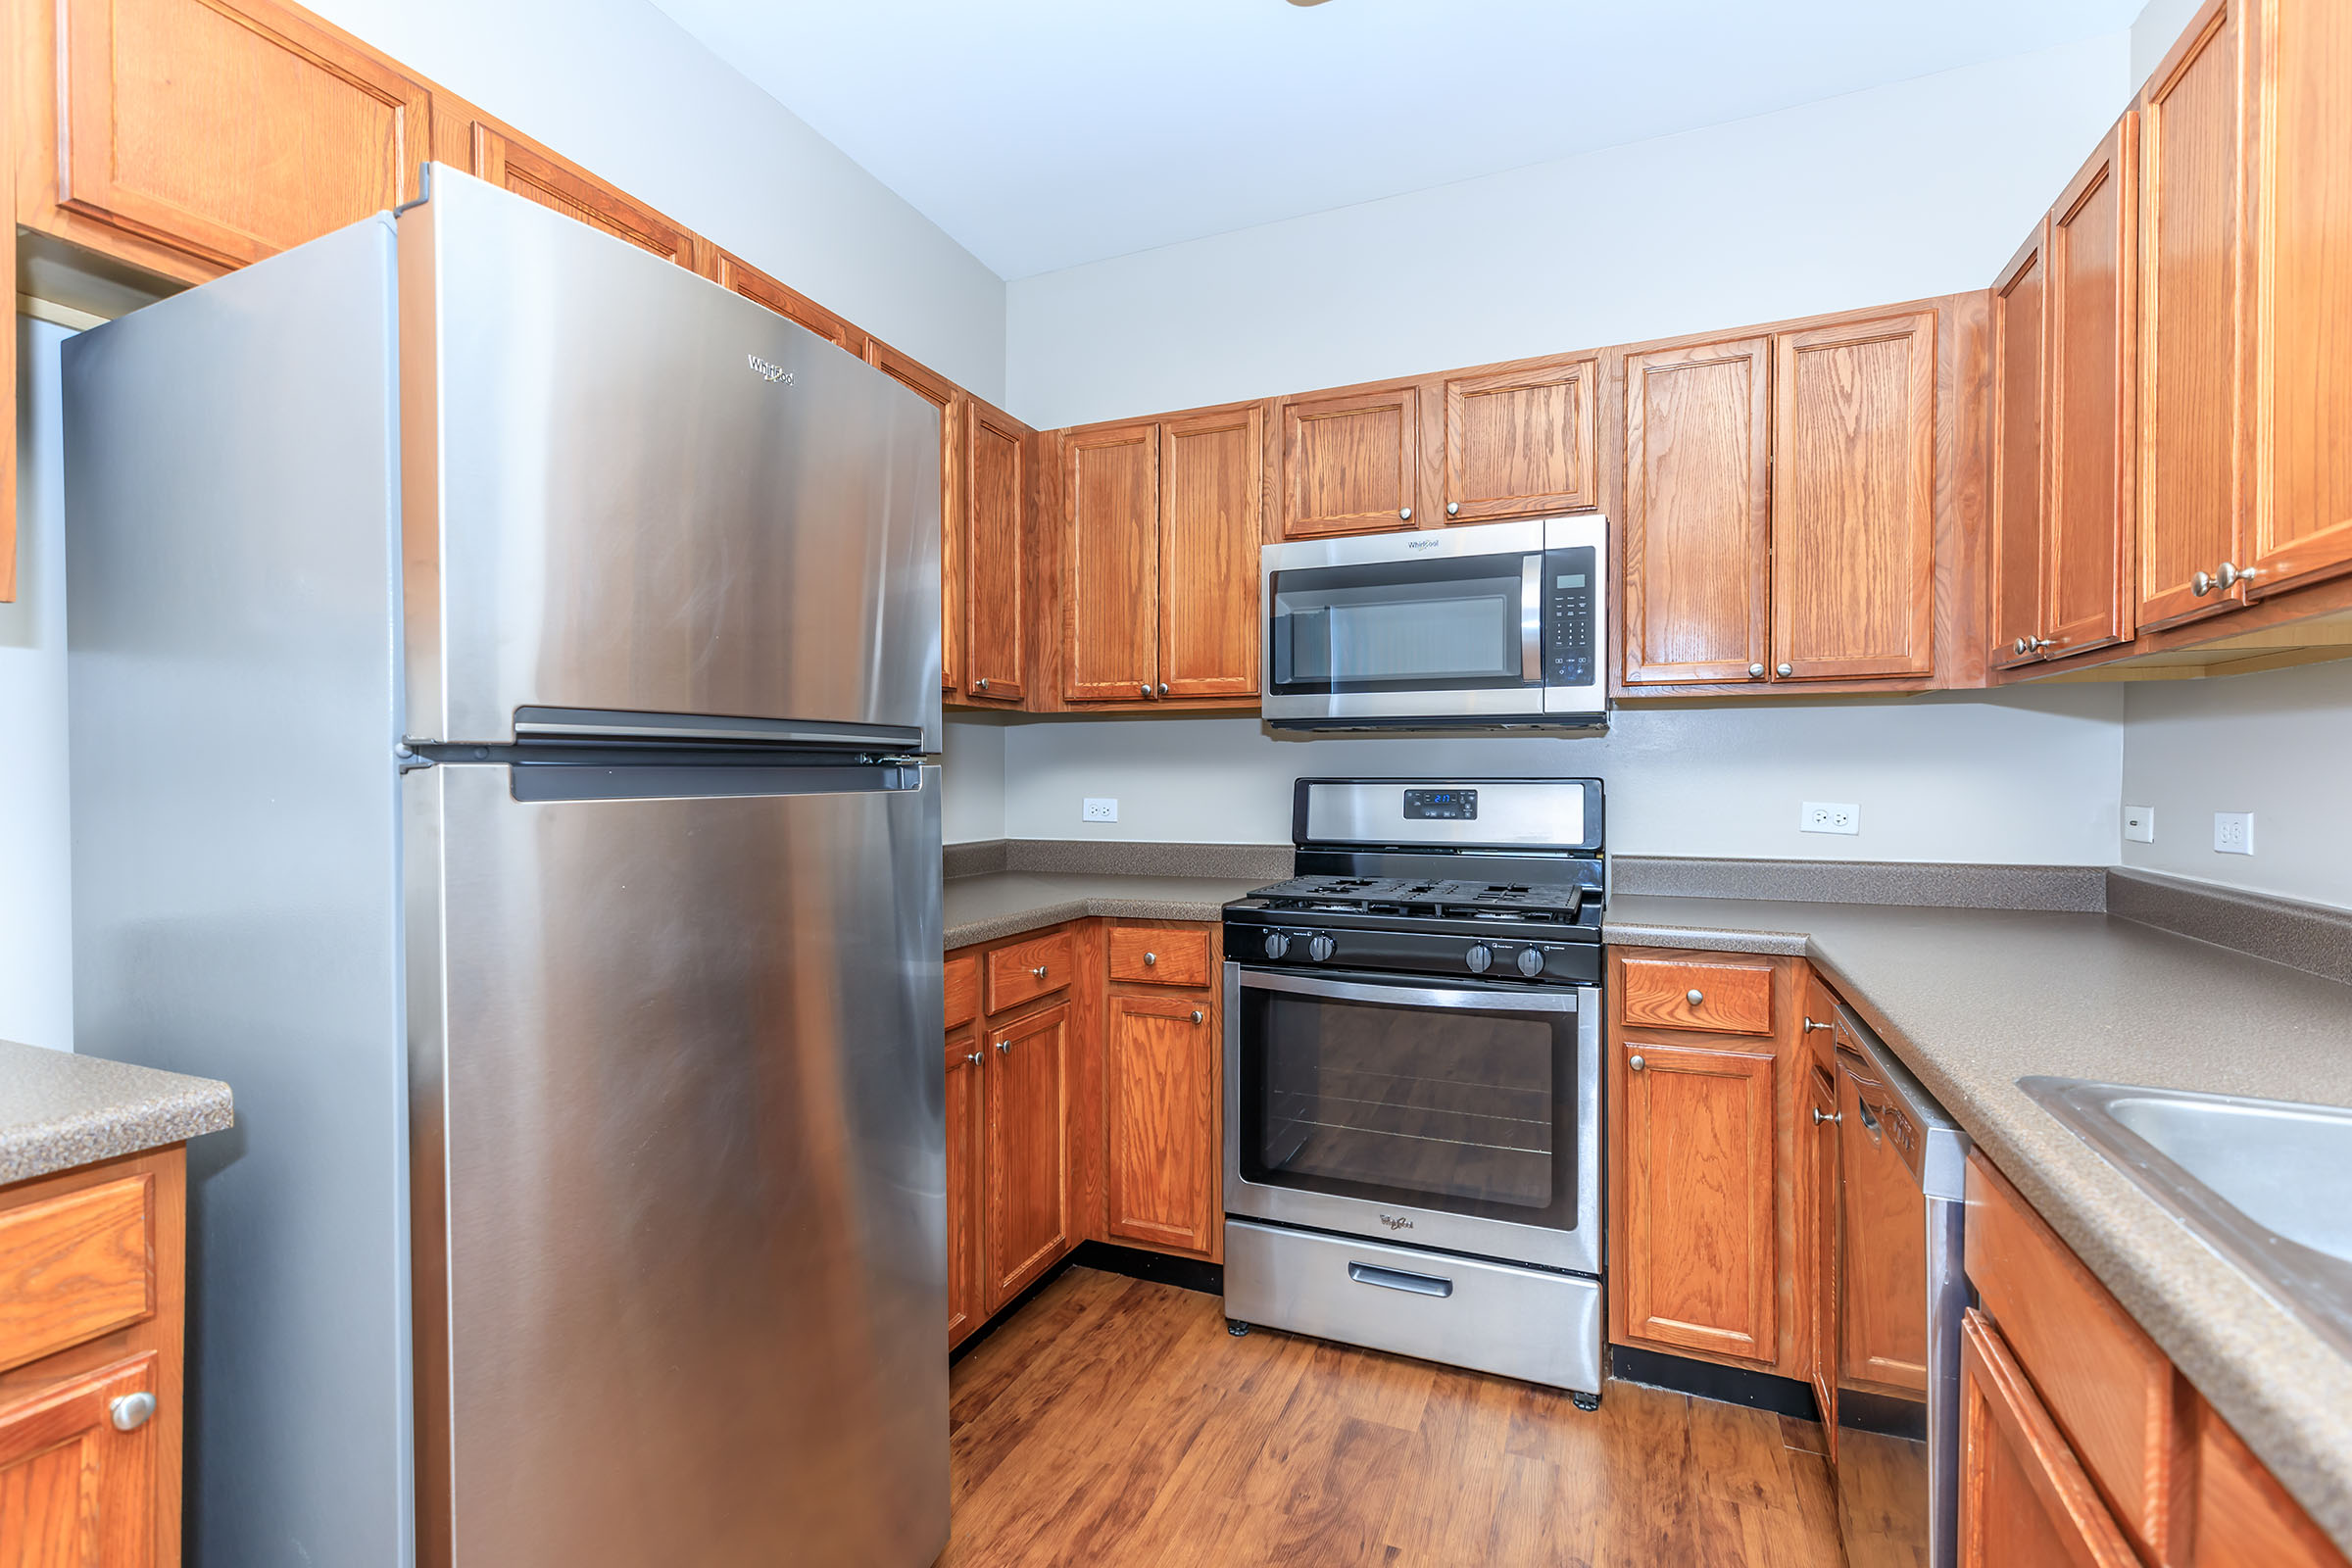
(1397, 1279)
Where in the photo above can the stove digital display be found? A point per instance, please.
(1440, 806)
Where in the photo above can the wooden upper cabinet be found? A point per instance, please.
(1519, 442)
(512, 163)
(732, 271)
(1350, 463)
(1110, 479)
(1698, 1253)
(2020, 316)
(191, 137)
(1697, 526)
(1025, 1156)
(2302, 504)
(1212, 521)
(996, 548)
(1165, 1158)
(2025, 1502)
(2191, 338)
(953, 541)
(2087, 516)
(1853, 500)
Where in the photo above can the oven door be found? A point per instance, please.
(1430, 625)
(1461, 1115)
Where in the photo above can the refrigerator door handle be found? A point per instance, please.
(609, 724)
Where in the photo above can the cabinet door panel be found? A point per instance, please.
(228, 130)
(1349, 463)
(2192, 122)
(1211, 503)
(1109, 634)
(2303, 502)
(1698, 511)
(2088, 518)
(994, 548)
(1699, 1252)
(1025, 1165)
(2244, 1518)
(1519, 442)
(576, 194)
(2025, 1502)
(963, 1063)
(75, 1493)
(1818, 1271)
(1853, 494)
(733, 271)
(954, 546)
(1882, 1258)
(2019, 322)
(1163, 1177)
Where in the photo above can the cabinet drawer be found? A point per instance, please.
(2105, 1383)
(1029, 969)
(1681, 994)
(1159, 956)
(962, 989)
(76, 1266)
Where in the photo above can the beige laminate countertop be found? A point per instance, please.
(1973, 1000)
(1005, 904)
(59, 1110)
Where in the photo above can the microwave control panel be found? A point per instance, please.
(1571, 645)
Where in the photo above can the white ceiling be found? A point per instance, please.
(1043, 133)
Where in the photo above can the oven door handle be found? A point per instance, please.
(1409, 996)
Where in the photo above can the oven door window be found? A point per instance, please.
(1471, 623)
(1459, 1108)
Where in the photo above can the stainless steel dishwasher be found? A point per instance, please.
(1900, 1296)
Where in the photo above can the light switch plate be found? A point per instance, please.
(1829, 817)
(2233, 832)
(1100, 809)
(2140, 823)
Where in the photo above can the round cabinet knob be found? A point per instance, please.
(1634, 1063)
(1003, 1045)
(1783, 670)
(2201, 584)
(2231, 576)
(1453, 508)
(1531, 962)
(1810, 1026)
(1277, 944)
(1694, 996)
(1755, 671)
(1321, 947)
(1819, 1116)
(1150, 960)
(1038, 971)
(981, 684)
(2017, 645)
(1479, 959)
(1404, 513)
(973, 1057)
(1199, 1016)
(131, 1413)
(1163, 688)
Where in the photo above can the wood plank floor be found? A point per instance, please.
(1114, 1421)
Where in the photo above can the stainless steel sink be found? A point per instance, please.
(2266, 1183)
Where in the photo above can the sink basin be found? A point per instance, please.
(2266, 1183)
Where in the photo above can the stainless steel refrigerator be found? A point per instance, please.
(503, 678)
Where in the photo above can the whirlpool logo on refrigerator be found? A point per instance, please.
(776, 374)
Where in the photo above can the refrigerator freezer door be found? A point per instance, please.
(679, 1214)
(629, 488)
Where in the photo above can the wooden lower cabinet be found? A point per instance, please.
(1162, 1090)
(2244, 1518)
(1819, 1265)
(2025, 1499)
(92, 1280)
(1025, 1151)
(964, 1134)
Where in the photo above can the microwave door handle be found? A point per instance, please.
(1531, 619)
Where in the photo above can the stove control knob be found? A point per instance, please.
(1277, 944)
(1321, 947)
(1478, 958)
(1531, 962)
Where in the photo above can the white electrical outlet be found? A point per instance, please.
(1100, 809)
(2140, 823)
(1829, 817)
(2233, 832)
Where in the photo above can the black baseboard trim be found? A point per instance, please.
(1138, 1263)
(991, 1325)
(1731, 1384)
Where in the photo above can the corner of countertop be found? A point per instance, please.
(60, 1109)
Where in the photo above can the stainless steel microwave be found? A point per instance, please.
(1504, 624)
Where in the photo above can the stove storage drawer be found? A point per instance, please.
(1027, 970)
(1515, 1322)
(1160, 955)
(1728, 998)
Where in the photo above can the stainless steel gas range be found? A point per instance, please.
(1412, 1077)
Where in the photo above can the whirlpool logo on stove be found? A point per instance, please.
(1397, 1222)
(769, 373)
